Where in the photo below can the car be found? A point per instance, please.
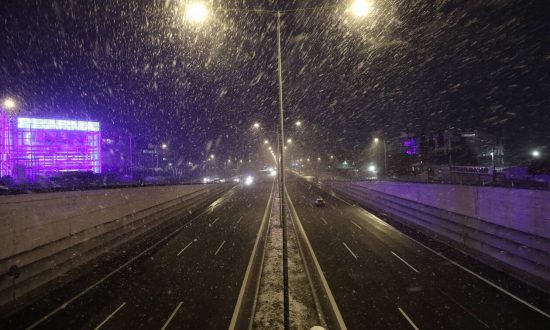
(319, 202)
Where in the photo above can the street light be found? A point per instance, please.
(360, 8)
(164, 146)
(289, 141)
(8, 103)
(376, 140)
(298, 123)
(212, 156)
(196, 12)
(256, 125)
(536, 153)
(266, 141)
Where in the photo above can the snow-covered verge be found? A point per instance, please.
(269, 308)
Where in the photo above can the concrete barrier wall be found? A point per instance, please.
(475, 221)
(46, 235)
(521, 209)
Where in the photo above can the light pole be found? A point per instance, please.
(376, 140)
(196, 13)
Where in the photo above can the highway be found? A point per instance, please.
(188, 278)
(387, 276)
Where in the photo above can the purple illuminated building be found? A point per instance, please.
(33, 146)
(410, 146)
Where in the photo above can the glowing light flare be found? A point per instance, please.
(535, 153)
(8, 103)
(196, 12)
(360, 8)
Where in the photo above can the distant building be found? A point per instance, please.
(32, 147)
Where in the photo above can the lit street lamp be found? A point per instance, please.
(8, 103)
(376, 140)
(197, 12)
(164, 146)
(535, 153)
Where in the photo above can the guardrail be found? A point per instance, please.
(522, 254)
(243, 314)
(32, 269)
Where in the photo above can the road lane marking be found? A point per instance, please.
(334, 195)
(239, 219)
(356, 225)
(465, 309)
(185, 248)
(110, 316)
(325, 221)
(104, 278)
(213, 222)
(218, 250)
(350, 251)
(440, 254)
(482, 278)
(406, 263)
(408, 318)
(171, 316)
(264, 222)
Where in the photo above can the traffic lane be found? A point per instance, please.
(102, 299)
(196, 286)
(371, 288)
(471, 294)
(464, 293)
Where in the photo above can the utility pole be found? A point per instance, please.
(282, 176)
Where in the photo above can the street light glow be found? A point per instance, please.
(8, 103)
(289, 140)
(298, 123)
(360, 8)
(164, 146)
(256, 125)
(212, 156)
(266, 141)
(536, 153)
(376, 140)
(196, 12)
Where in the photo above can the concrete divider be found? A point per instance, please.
(471, 219)
(43, 236)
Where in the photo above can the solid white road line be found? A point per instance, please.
(325, 221)
(171, 316)
(185, 248)
(334, 195)
(350, 251)
(408, 318)
(465, 309)
(218, 250)
(110, 316)
(483, 279)
(406, 263)
(356, 225)
(213, 222)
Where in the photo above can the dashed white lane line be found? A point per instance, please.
(406, 263)
(324, 220)
(171, 316)
(356, 225)
(213, 222)
(110, 316)
(239, 220)
(408, 318)
(218, 250)
(188, 245)
(350, 251)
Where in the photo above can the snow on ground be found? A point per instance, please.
(269, 308)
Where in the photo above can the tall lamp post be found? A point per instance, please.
(197, 12)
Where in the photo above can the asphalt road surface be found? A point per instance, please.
(383, 278)
(190, 280)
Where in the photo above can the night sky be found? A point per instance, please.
(139, 68)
